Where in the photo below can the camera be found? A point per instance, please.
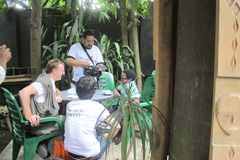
(94, 70)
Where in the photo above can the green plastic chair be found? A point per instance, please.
(154, 72)
(148, 93)
(107, 82)
(20, 136)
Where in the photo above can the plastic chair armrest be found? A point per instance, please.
(144, 104)
(47, 119)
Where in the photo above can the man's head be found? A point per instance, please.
(128, 75)
(55, 69)
(88, 39)
(86, 87)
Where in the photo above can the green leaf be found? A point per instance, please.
(134, 4)
(73, 31)
(63, 30)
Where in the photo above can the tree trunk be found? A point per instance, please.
(136, 51)
(123, 19)
(35, 41)
(73, 7)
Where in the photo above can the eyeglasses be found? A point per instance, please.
(123, 78)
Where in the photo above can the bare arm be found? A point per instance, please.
(74, 62)
(136, 101)
(25, 94)
(58, 96)
(116, 92)
(116, 126)
(5, 56)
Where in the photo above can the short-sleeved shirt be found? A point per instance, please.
(2, 74)
(80, 134)
(77, 52)
(134, 90)
(41, 91)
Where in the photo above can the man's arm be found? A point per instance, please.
(74, 62)
(116, 126)
(136, 101)
(58, 96)
(24, 95)
(5, 56)
(116, 92)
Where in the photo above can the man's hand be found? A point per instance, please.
(5, 56)
(34, 120)
(59, 98)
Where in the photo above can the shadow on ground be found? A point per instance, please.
(5, 137)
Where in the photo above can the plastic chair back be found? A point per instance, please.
(15, 116)
(107, 81)
(154, 72)
(148, 85)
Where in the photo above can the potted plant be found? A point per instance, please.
(133, 115)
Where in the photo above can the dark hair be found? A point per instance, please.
(88, 33)
(86, 87)
(130, 74)
(52, 64)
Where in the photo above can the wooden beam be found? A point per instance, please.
(162, 54)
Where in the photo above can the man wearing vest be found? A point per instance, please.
(41, 98)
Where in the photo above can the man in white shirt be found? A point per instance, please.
(84, 54)
(82, 115)
(40, 91)
(5, 56)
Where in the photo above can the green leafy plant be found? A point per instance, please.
(133, 115)
(64, 37)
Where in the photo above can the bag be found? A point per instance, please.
(59, 150)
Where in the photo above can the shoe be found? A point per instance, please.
(118, 140)
(42, 150)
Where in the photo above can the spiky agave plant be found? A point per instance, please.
(133, 114)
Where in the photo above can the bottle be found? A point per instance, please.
(100, 85)
(77, 75)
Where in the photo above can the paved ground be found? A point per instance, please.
(114, 151)
(5, 135)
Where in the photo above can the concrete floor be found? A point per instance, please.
(113, 154)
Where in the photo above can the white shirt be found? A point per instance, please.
(76, 51)
(2, 74)
(41, 91)
(81, 117)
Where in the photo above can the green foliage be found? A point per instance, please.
(114, 56)
(5, 4)
(134, 4)
(64, 36)
(139, 7)
(133, 114)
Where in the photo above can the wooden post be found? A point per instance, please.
(162, 54)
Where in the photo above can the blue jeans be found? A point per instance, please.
(103, 145)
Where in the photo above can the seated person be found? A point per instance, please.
(81, 117)
(128, 80)
(41, 98)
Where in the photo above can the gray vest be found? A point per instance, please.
(50, 107)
